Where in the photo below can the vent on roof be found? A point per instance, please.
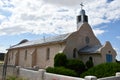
(23, 41)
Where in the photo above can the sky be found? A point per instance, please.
(35, 19)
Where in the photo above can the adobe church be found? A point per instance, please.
(81, 44)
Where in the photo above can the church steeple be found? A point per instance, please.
(82, 17)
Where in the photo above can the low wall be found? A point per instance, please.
(49, 76)
(41, 74)
(111, 78)
(11, 70)
(30, 74)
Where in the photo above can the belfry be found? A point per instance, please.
(82, 17)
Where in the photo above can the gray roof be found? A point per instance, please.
(93, 49)
(59, 38)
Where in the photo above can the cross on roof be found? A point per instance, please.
(81, 5)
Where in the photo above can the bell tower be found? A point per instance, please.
(82, 17)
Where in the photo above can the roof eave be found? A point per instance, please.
(87, 53)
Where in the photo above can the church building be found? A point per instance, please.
(81, 44)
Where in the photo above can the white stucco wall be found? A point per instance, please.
(107, 49)
(77, 40)
(96, 58)
(41, 54)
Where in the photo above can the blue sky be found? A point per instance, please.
(34, 19)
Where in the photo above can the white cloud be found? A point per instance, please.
(2, 17)
(118, 37)
(118, 53)
(3, 49)
(51, 16)
(98, 31)
(70, 3)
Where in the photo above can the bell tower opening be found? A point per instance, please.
(82, 17)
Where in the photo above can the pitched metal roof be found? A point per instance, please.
(59, 38)
(93, 49)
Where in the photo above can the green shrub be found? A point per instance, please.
(103, 70)
(60, 60)
(89, 63)
(61, 70)
(76, 65)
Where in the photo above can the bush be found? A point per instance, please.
(76, 65)
(103, 70)
(60, 60)
(61, 70)
(89, 63)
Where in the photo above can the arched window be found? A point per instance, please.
(90, 58)
(48, 54)
(74, 52)
(9, 59)
(109, 51)
(25, 55)
(12, 55)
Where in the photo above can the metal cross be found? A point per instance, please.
(81, 5)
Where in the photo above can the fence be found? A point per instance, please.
(41, 74)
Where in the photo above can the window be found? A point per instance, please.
(109, 51)
(25, 54)
(87, 40)
(48, 54)
(12, 55)
(90, 58)
(74, 52)
(9, 59)
(85, 18)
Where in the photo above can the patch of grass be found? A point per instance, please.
(15, 78)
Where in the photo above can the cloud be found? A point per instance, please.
(51, 16)
(2, 17)
(2, 49)
(118, 53)
(118, 37)
(69, 3)
(98, 31)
